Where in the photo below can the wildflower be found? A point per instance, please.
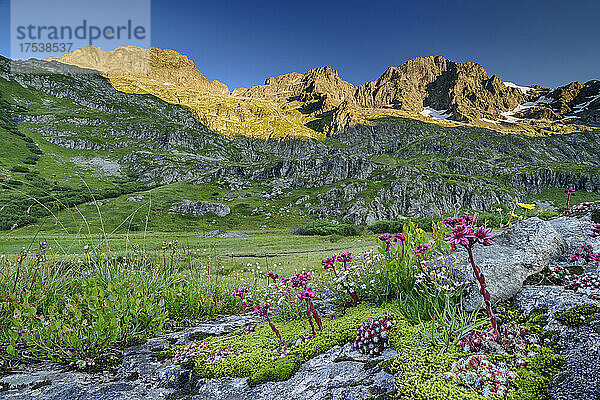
(459, 236)
(420, 249)
(483, 236)
(240, 292)
(462, 234)
(569, 192)
(328, 263)
(272, 275)
(526, 206)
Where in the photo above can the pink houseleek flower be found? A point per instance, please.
(462, 234)
(272, 275)
(569, 192)
(300, 280)
(420, 250)
(308, 295)
(344, 258)
(240, 292)
(390, 239)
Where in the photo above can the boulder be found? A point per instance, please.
(340, 373)
(576, 231)
(520, 251)
(579, 345)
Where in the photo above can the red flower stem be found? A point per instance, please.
(484, 292)
(316, 315)
(274, 329)
(310, 318)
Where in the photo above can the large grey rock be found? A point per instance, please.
(340, 373)
(575, 231)
(580, 346)
(518, 252)
(200, 208)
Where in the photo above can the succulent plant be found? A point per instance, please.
(371, 336)
(514, 339)
(481, 375)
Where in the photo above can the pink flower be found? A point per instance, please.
(459, 236)
(272, 275)
(345, 258)
(328, 262)
(420, 249)
(300, 280)
(483, 236)
(240, 292)
(262, 310)
(570, 192)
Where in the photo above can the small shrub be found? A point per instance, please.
(326, 228)
(19, 168)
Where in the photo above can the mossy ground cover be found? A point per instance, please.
(419, 369)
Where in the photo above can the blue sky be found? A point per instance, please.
(241, 43)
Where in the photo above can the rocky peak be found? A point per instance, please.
(465, 90)
(321, 85)
(161, 65)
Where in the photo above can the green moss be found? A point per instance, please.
(258, 359)
(577, 316)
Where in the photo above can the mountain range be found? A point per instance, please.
(428, 136)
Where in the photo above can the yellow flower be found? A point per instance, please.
(526, 206)
(512, 214)
(419, 230)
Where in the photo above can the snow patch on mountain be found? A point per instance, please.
(523, 89)
(437, 114)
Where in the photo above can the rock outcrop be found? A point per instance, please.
(520, 251)
(200, 208)
(465, 90)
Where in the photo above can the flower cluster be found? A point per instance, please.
(585, 253)
(478, 373)
(371, 336)
(420, 250)
(462, 233)
(264, 310)
(222, 353)
(186, 354)
(390, 239)
(344, 259)
(583, 208)
(272, 275)
(439, 278)
(240, 292)
(300, 280)
(308, 295)
(514, 340)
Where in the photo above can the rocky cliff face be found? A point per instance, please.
(465, 90)
(165, 66)
(321, 88)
